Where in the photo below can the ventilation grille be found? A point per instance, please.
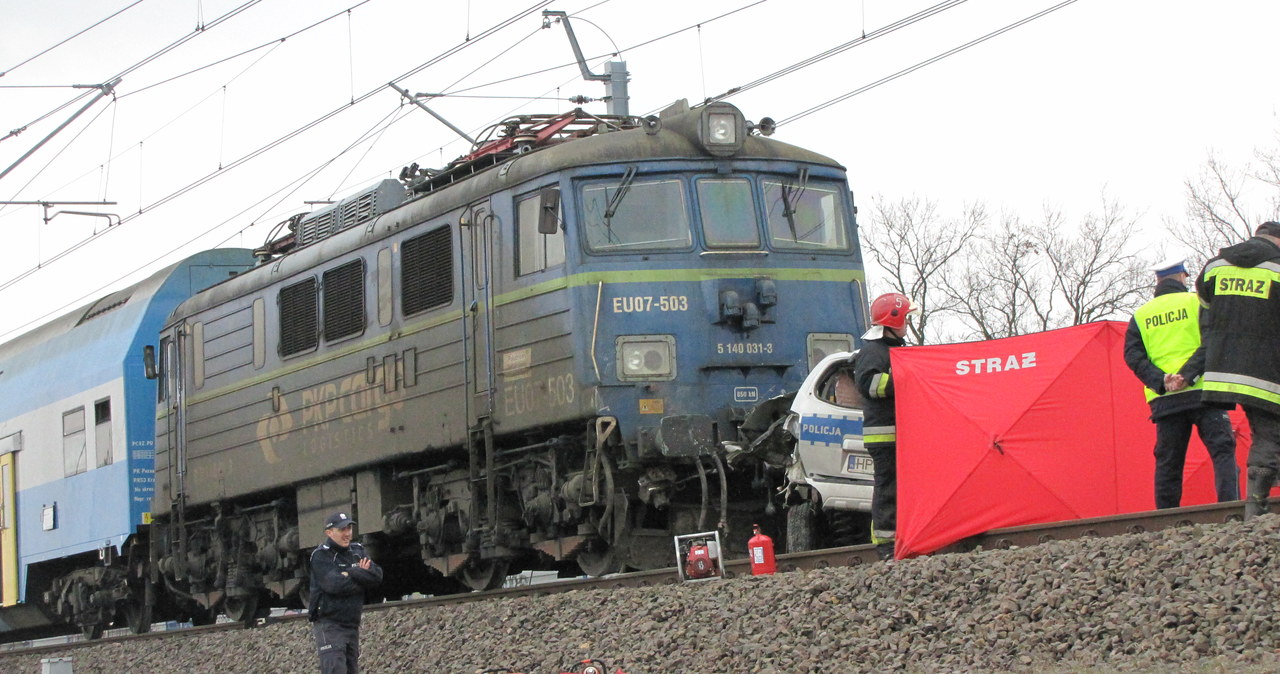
(298, 318)
(350, 212)
(426, 271)
(344, 301)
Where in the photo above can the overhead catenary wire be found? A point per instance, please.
(295, 185)
(66, 40)
(865, 38)
(926, 62)
(269, 146)
(457, 92)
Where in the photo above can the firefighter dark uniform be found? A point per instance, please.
(1164, 338)
(874, 381)
(1240, 288)
(338, 584)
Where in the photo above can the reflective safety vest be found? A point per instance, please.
(1170, 329)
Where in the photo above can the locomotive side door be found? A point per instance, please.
(478, 247)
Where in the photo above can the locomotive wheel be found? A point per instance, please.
(800, 525)
(598, 558)
(486, 575)
(241, 609)
(91, 632)
(137, 615)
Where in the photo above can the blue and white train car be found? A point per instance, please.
(77, 430)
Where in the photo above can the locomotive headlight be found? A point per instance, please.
(823, 344)
(646, 357)
(722, 129)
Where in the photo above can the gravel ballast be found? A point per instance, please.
(1195, 598)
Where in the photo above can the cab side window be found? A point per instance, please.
(536, 251)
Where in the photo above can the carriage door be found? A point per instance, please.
(478, 241)
(9, 447)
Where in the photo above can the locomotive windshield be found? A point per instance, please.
(805, 216)
(647, 214)
(728, 213)
(630, 213)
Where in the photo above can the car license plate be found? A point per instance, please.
(860, 464)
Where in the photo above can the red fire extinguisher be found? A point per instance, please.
(698, 563)
(760, 547)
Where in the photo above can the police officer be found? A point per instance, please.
(874, 381)
(340, 574)
(1240, 290)
(1162, 347)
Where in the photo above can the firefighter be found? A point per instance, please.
(1162, 347)
(875, 383)
(1240, 291)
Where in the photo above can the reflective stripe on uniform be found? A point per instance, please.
(1253, 387)
(879, 536)
(879, 385)
(880, 434)
(1252, 282)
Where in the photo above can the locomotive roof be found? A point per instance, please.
(676, 140)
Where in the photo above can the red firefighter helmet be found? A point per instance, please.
(891, 309)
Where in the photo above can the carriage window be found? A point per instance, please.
(102, 431)
(537, 251)
(627, 215)
(74, 458)
(728, 213)
(805, 217)
(426, 271)
(299, 318)
(344, 301)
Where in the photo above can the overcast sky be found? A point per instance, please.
(1126, 96)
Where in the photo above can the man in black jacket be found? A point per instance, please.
(874, 381)
(340, 573)
(1162, 347)
(1240, 289)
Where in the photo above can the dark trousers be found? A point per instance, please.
(884, 492)
(1172, 434)
(1265, 450)
(338, 647)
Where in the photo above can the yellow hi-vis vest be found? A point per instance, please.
(1170, 329)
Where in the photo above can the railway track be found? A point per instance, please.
(1006, 538)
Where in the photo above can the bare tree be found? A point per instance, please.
(1220, 204)
(1094, 272)
(915, 248)
(995, 290)
(1019, 279)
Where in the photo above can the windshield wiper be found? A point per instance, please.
(616, 199)
(788, 198)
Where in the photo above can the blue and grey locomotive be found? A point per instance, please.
(529, 359)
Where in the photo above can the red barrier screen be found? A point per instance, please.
(1039, 428)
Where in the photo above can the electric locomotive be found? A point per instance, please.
(529, 359)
